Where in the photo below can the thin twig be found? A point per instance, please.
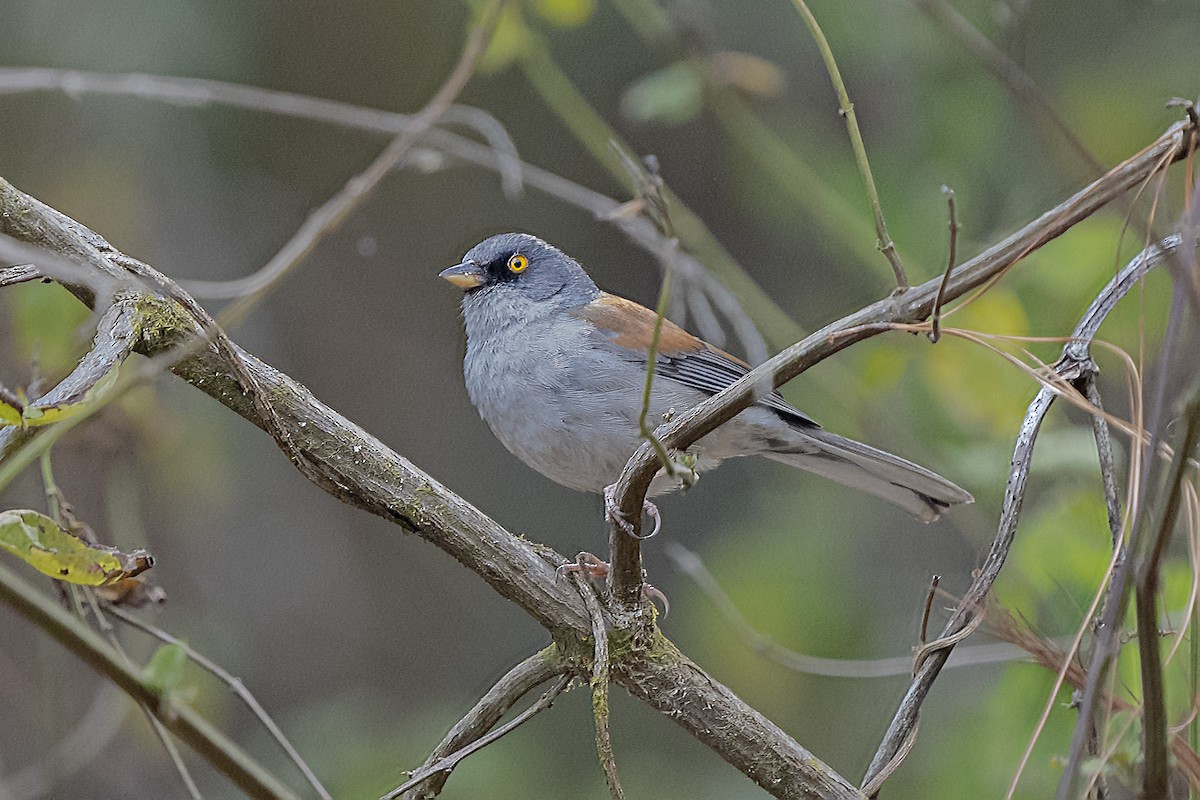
(235, 684)
(1075, 361)
(935, 321)
(690, 564)
(1154, 716)
(451, 761)
(483, 716)
(933, 585)
(882, 240)
(177, 717)
(330, 215)
(599, 683)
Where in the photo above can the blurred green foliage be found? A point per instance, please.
(367, 646)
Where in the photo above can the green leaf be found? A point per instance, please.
(565, 13)
(165, 670)
(508, 41)
(672, 95)
(38, 541)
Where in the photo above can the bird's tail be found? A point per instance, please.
(919, 491)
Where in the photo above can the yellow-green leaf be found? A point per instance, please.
(565, 13)
(10, 408)
(14, 411)
(165, 670)
(508, 41)
(38, 541)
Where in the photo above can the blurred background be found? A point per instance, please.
(367, 645)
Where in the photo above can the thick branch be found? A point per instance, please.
(114, 341)
(347, 461)
(668, 681)
(356, 468)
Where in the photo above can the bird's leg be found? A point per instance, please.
(614, 514)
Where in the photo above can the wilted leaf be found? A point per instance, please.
(38, 541)
(132, 593)
(671, 95)
(165, 670)
(751, 74)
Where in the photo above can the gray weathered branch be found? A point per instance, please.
(356, 468)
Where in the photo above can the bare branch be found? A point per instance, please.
(1075, 362)
(451, 761)
(330, 215)
(483, 716)
(913, 305)
(356, 468)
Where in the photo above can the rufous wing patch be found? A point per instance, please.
(632, 326)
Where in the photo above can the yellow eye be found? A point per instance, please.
(517, 263)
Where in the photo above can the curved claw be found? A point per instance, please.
(652, 594)
(616, 516)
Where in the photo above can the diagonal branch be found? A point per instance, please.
(913, 305)
(356, 468)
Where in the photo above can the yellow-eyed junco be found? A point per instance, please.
(557, 367)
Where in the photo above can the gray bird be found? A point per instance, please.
(557, 367)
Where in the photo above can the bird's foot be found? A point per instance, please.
(587, 564)
(592, 566)
(616, 516)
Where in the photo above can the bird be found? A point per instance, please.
(557, 368)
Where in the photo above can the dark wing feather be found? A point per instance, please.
(682, 357)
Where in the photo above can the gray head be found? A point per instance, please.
(519, 266)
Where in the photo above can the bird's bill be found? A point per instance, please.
(465, 275)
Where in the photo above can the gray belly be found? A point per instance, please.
(574, 418)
